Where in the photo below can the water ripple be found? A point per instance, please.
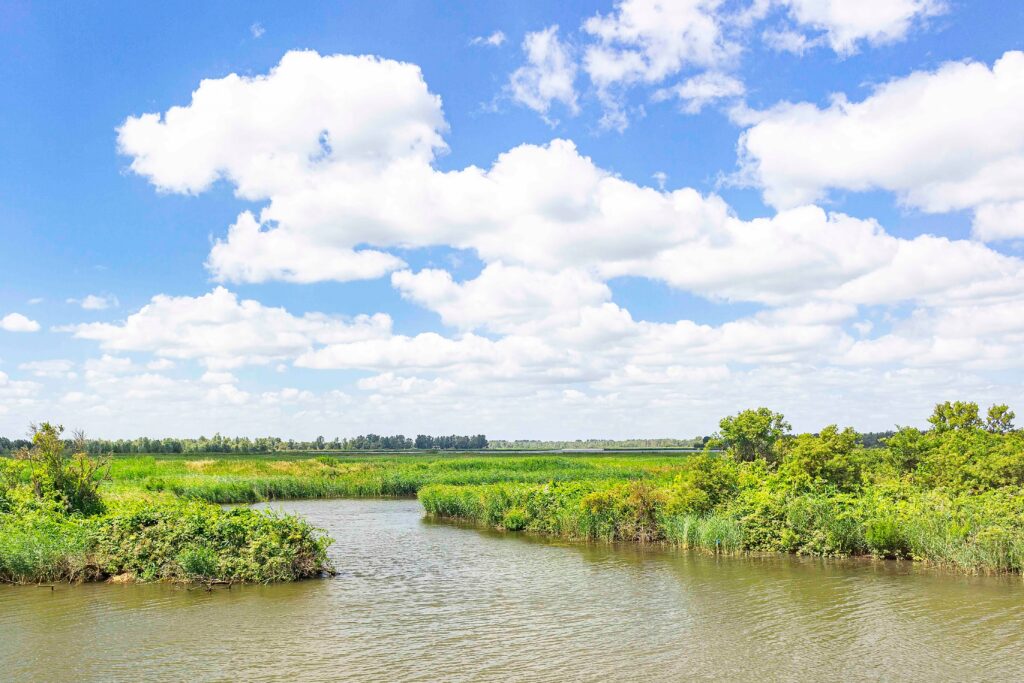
(417, 601)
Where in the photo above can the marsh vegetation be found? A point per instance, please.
(952, 495)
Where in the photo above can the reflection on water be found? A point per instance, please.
(422, 601)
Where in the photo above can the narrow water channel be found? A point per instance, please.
(421, 601)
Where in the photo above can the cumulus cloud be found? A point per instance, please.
(16, 322)
(645, 43)
(315, 112)
(847, 25)
(697, 92)
(58, 368)
(504, 298)
(539, 324)
(648, 40)
(222, 331)
(999, 221)
(547, 76)
(942, 140)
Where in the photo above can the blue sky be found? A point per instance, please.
(543, 329)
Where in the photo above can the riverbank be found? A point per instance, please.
(60, 521)
(141, 539)
(952, 495)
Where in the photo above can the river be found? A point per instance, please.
(422, 601)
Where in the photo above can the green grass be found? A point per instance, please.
(953, 497)
(254, 479)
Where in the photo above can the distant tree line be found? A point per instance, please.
(535, 444)
(374, 442)
(451, 443)
(268, 444)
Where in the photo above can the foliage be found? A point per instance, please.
(72, 480)
(955, 415)
(952, 495)
(751, 434)
(54, 525)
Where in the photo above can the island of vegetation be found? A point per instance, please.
(950, 495)
(56, 525)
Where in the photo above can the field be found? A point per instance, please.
(240, 479)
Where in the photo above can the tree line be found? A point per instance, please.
(582, 444)
(267, 444)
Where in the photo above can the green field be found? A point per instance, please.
(235, 479)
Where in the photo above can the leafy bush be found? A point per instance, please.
(71, 479)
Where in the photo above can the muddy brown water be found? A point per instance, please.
(422, 601)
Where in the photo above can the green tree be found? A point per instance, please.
(71, 479)
(999, 419)
(751, 434)
(830, 457)
(955, 415)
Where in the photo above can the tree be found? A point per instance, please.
(751, 434)
(829, 457)
(999, 419)
(72, 480)
(957, 415)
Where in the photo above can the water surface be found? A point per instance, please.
(422, 601)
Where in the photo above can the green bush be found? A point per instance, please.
(198, 562)
(515, 519)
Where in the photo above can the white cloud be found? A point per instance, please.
(697, 92)
(224, 332)
(56, 368)
(19, 401)
(646, 42)
(553, 230)
(943, 140)
(649, 40)
(847, 24)
(496, 39)
(504, 298)
(999, 221)
(16, 322)
(315, 113)
(547, 76)
(211, 377)
(549, 209)
(789, 41)
(256, 30)
(251, 254)
(95, 302)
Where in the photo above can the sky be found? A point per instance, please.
(530, 220)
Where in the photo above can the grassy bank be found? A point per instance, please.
(58, 524)
(952, 495)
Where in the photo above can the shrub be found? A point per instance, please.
(198, 562)
(515, 519)
(73, 480)
(885, 537)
